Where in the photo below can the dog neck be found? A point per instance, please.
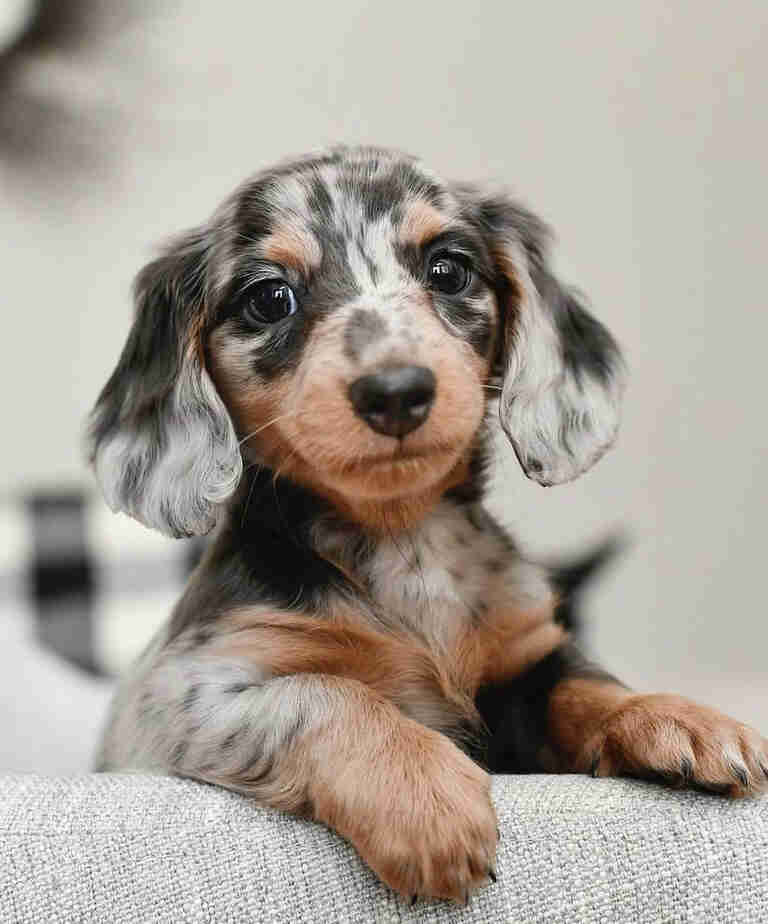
(265, 500)
(394, 515)
(283, 542)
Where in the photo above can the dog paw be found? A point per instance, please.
(673, 740)
(432, 832)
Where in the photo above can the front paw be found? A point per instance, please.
(673, 740)
(427, 826)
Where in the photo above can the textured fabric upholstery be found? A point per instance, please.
(125, 848)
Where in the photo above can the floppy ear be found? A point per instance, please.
(160, 440)
(563, 375)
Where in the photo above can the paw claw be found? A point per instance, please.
(740, 772)
(492, 875)
(678, 742)
(414, 900)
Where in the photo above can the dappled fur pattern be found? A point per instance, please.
(362, 642)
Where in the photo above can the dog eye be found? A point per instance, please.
(269, 301)
(449, 273)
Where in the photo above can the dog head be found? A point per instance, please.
(345, 320)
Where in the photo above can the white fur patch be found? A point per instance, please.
(176, 485)
(559, 425)
(434, 579)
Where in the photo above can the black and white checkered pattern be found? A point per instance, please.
(96, 585)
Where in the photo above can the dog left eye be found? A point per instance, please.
(269, 301)
(449, 273)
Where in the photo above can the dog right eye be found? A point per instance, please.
(449, 273)
(268, 302)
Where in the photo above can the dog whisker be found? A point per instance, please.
(265, 426)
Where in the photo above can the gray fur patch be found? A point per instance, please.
(364, 327)
(172, 472)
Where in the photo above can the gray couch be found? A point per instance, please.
(142, 849)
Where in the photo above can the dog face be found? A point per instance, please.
(345, 320)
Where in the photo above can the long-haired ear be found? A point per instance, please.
(160, 440)
(563, 374)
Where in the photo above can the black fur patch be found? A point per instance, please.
(586, 344)
(379, 194)
(475, 325)
(319, 199)
(334, 282)
(516, 713)
(472, 489)
(168, 292)
(263, 555)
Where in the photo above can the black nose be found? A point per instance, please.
(394, 401)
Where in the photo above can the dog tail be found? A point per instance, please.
(571, 578)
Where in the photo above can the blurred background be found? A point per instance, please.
(637, 130)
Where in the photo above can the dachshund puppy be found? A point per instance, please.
(316, 371)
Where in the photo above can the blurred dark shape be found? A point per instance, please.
(75, 589)
(51, 110)
(55, 24)
(572, 578)
(61, 576)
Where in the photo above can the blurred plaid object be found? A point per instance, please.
(96, 585)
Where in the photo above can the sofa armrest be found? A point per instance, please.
(135, 848)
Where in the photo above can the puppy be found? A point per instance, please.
(316, 371)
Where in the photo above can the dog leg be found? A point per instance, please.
(599, 726)
(567, 715)
(415, 807)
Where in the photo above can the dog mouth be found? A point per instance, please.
(402, 469)
(401, 459)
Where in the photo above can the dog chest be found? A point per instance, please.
(440, 579)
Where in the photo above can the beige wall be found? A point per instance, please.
(637, 129)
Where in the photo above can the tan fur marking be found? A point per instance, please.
(440, 684)
(416, 808)
(505, 259)
(194, 346)
(293, 246)
(421, 223)
(607, 729)
(342, 453)
(382, 517)
(252, 408)
(401, 669)
(577, 707)
(303, 426)
(507, 645)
